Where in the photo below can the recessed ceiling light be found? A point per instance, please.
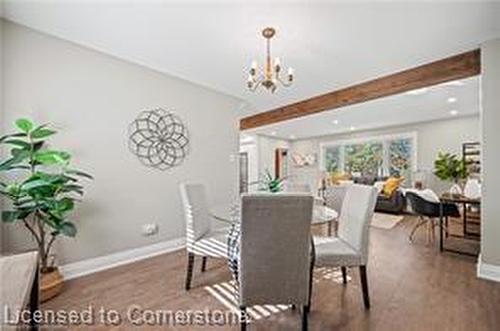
(452, 100)
(292, 136)
(453, 112)
(454, 83)
(335, 122)
(274, 133)
(352, 128)
(419, 91)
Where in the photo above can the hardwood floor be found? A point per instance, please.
(412, 287)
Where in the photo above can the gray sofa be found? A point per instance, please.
(395, 204)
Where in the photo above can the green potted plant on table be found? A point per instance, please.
(42, 189)
(270, 183)
(450, 167)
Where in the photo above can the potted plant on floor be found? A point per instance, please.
(42, 189)
(450, 167)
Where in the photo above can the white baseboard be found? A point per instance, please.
(86, 267)
(488, 271)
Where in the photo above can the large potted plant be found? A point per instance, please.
(42, 189)
(450, 167)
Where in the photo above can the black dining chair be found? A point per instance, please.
(428, 211)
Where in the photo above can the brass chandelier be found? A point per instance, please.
(270, 77)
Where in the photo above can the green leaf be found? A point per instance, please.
(41, 132)
(50, 157)
(79, 173)
(9, 216)
(68, 229)
(65, 205)
(33, 184)
(19, 157)
(24, 125)
(17, 142)
(14, 135)
(72, 188)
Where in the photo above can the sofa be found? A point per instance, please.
(395, 204)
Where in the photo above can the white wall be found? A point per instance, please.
(91, 98)
(432, 138)
(490, 119)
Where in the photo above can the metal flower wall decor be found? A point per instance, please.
(159, 139)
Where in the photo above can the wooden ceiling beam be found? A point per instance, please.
(452, 68)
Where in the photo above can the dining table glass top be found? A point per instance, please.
(230, 213)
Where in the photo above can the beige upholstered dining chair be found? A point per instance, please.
(334, 196)
(275, 246)
(350, 247)
(201, 239)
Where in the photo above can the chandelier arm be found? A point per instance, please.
(284, 83)
(256, 84)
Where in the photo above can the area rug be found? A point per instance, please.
(385, 221)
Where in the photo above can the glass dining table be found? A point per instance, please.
(229, 213)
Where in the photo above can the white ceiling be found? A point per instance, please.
(331, 45)
(406, 108)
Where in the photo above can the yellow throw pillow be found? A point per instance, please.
(391, 185)
(336, 177)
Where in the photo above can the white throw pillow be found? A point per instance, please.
(379, 185)
(427, 194)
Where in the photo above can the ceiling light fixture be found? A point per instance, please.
(452, 100)
(273, 133)
(336, 122)
(352, 128)
(270, 76)
(292, 136)
(419, 91)
(453, 112)
(454, 83)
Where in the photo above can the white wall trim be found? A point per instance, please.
(90, 266)
(488, 271)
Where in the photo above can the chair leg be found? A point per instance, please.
(344, 274)
(419, 224)
(243, 318)
(311, 275)
(433, 227)
(305, 315)
(364, 286)
(204, 264)
(189, 275)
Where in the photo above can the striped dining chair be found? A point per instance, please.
(201, 238)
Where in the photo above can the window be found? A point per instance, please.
(332, 159)
(381, 156)
(400, 151)
(363, 159)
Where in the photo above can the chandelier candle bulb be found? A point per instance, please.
(277, 64)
